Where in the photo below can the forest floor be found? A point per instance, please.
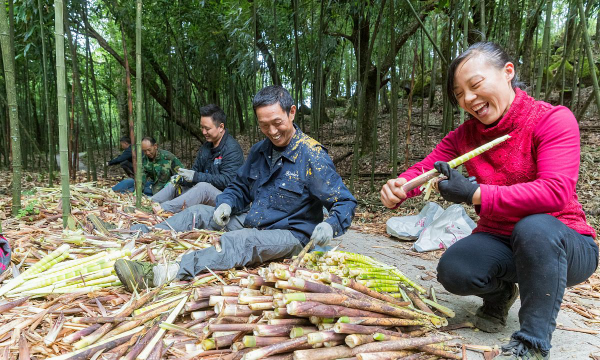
(368, 232)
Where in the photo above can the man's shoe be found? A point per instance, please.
(491, 316)
(518, 350)
(135, 275)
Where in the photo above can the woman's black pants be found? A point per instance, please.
(542, 255)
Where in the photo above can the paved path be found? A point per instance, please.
(565, 344)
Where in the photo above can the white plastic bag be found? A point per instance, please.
(452, 225)
(410, 227)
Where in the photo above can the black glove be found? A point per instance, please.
(456, 188)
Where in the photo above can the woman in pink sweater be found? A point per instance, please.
(532, 229)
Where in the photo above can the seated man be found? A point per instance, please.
(158, 165)
(216, 163)
(125, 158)
(287, 178)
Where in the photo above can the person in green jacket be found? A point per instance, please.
(158, 166)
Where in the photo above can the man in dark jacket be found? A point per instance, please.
(125, 158)
(216, 163)
(286, 180)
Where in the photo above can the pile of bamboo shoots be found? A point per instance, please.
(269, 312)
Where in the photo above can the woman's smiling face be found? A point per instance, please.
(483, 90)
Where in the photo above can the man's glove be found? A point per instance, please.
(322, 234)
(188, 175)
(221, 214)
(456, 188)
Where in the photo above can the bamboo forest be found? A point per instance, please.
(299, 179)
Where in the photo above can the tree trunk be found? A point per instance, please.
(542, 60)
(82, 100)
(61, 90)
(589, 52)
(129, 101)
(533, 17)
(394, 105)
(138, 104)
(47, 116)
(8, 59)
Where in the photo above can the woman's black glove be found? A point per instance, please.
(456, 188)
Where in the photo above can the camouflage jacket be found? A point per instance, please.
(160, 170)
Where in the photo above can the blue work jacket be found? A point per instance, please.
(291, 194)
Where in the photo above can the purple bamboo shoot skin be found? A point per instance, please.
(260, 341)
(375, 305)
(249, 292)
(402, 344)
(385, 355)
(232, 327)
(283, 311)
(216, 299)
(202, 315)
(311, 308)
(342, 328)
(196, 305)
(323, 327)
(319, 320)
(434, 349)
(355, 340)
(248, 299)
(272, 330)
(279, 348)
(228, 290)
(323, 353)
(270, 278)
(300, 331)
(76, 336)
(384, 321)
(235, 310)
(365, 290)
(324, 336)
(285, 285)
(261, 306)
(206, 292)
(269, 290)
(297, 321)
(229, 320)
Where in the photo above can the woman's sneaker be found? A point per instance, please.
(491, 316)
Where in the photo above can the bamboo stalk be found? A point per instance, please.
(323, 354)
(383, 321)
(355, 340)
(377, 306)
(402, 344)
(384, 355)
(282, 347)
(324, 336)
(421, 179)
(260, 341)
(311, 308)
(38, 267)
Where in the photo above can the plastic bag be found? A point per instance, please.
(452, 225)
(410, 227)
(434, 228)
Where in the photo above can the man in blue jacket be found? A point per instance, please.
(286, 180)
(125, 158)
(215, 166)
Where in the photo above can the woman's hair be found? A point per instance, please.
(491, 52)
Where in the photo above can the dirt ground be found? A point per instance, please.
(422, 268)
